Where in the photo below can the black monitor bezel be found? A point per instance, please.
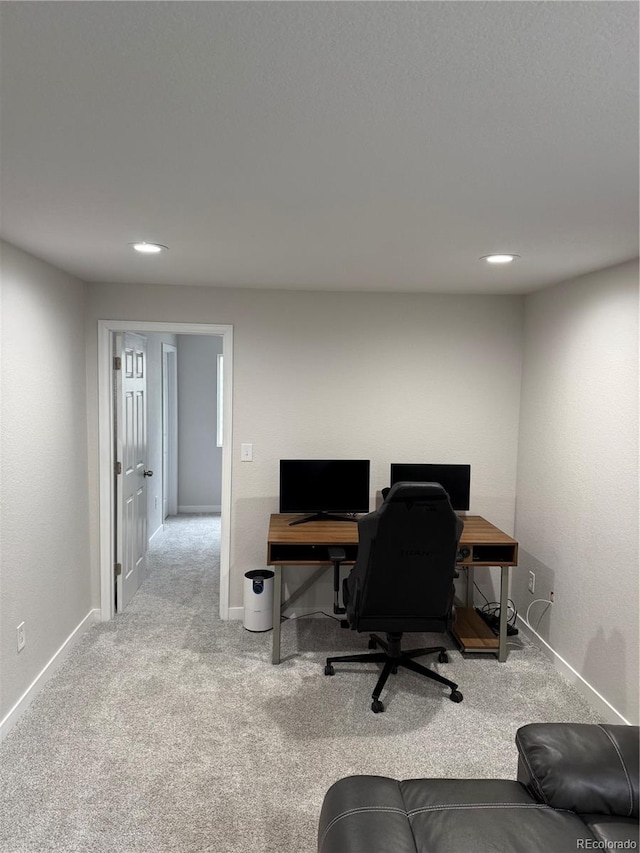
(424, 472)
(348, 507)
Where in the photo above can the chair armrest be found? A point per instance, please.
(588, 769)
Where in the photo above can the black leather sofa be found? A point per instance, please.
(577, 789)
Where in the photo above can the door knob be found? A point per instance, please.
(148, 473)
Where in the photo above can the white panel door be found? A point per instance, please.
(131, 453)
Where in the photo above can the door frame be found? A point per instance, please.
(106, 445)
(169, 429)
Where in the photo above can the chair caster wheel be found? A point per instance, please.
(377, 707)
(394, 671)
(329, 670)
(372, 643)
(443, 657)
(456, 696)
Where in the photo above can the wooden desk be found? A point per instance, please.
(487, 546)
(481, 542)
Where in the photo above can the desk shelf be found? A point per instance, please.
(472, 633)
(302, 554)
(308, 544)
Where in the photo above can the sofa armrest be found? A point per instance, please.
(365, 813)
(584, 768)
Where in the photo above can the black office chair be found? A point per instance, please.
(403, 580)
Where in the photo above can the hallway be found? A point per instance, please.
(184, 565)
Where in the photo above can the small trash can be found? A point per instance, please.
(258, 600)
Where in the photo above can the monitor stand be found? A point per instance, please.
(321, 516)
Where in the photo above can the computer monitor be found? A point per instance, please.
(454, 479)
(324, 487)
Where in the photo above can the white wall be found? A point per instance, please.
(46, 580)
(199, 458)
(577, 505)
(389, 377)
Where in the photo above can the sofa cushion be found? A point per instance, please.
(455, 815)
(613, 833)
(591, 769)
(380, 815)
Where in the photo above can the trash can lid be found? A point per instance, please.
(259, 573)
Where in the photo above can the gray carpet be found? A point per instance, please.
(169, 730)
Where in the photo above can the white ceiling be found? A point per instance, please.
(322, 145)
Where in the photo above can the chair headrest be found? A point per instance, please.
(415, 491)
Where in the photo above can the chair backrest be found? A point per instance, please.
(403, 576)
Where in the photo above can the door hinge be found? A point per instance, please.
(117, 362)
(117, 569)
(117, 467)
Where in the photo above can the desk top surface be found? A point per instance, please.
(476, 530)
(311, 532)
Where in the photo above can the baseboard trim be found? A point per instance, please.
(50, 668)
(586, 690)
(296, 611)
(292, 613)
(156, 532)
(236, 613)
(206, 508)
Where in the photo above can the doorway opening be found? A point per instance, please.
(107, 445)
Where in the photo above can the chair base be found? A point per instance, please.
(392, 657)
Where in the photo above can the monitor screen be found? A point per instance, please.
(324, 485)
(455, 479)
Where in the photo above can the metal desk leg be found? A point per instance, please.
(504, 616)
(277, 599)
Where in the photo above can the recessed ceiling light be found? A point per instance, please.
(149, 248)
(499, 259)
